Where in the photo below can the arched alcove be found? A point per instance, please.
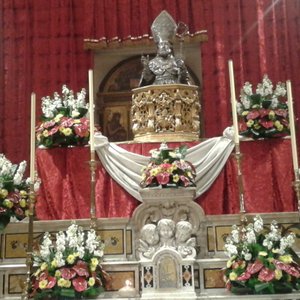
(114, 97)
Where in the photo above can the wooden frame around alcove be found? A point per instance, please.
(112, 57)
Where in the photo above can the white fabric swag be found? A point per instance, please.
(208, 157)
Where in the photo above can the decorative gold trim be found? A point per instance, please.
(145, 40)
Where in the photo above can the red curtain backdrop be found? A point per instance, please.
(65, 192)
(43, 48)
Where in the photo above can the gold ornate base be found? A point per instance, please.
(165, 113)
(167, 137)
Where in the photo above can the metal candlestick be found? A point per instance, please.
(93, 164)
(238, 157)
(296, 185)
(29, 252)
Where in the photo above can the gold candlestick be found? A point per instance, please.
(93, 167)
(29, 252)
(296, 183)
(238, 157)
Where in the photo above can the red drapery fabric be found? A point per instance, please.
(261, 36)
(43, 48)
(65, 191)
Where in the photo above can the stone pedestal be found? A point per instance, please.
(165, 113)
(169, 229)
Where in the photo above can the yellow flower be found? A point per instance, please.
(233, 276)
(154, 171)
(229, 263)
(271, 114)
(27, 212)
(45, 133)
(275, 250)
(23, 203)
(256, 126)
(176, 178)
(250, 123)
(57, 273)
(54, 263)
(43, 284)
(278, 274)
(245, 113)
(94, 261)
(280, 128)
(262, 253)
(3, 193)
(67, 131)
(44, 266)
(71, 259)
(58, 117)
(76, 121)
(270, 259)
(8, 203)
(23, 194)
(93, 268)
(91, 281)
(277, 123)
(287, 259)
(61, 282)
(67, 283)
(37, 272)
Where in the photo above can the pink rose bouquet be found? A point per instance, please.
(263, 113)
(167, 168)
(69, 266)
(64, 120)
(261, 259)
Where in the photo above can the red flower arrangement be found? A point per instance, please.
(64, 120)
(70, 266)
(14, 192)
(263, 113)
(261, 260)
(167, 168)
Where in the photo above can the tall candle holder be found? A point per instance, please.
(238, 155)
(296, 183)
(29, 252)
(93, 167)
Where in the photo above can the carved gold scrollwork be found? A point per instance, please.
(165, 113)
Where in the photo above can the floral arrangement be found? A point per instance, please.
(265, 112)
(261, 259)
(14, 191)
(167, 168)
(64, 120)
(70, 266)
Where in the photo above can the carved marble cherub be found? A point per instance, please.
(184, 241)
(166, 231)
(148, 242)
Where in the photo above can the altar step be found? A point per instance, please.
(223, 295)
(120, 260)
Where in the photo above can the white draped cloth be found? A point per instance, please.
(208, 157)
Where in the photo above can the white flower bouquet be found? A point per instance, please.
(69, 266)
(263, 113)
(261, 259)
